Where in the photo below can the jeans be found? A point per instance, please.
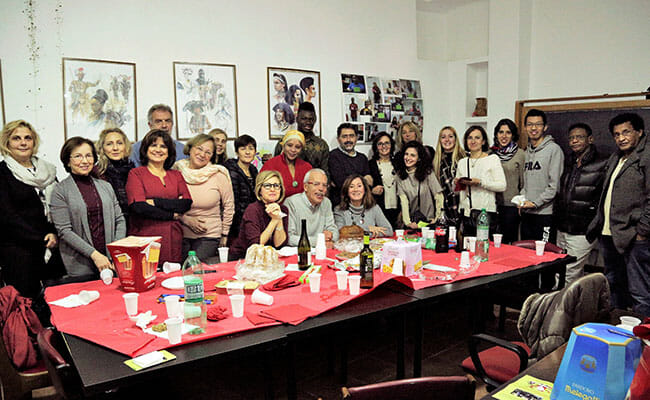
(580, 248)
(509, 223)
(638, 273)
(205, 248)
(616, 273)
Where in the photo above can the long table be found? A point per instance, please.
(389, 299)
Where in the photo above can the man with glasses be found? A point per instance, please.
(312, 205)
(575, 206)
(160, 116)
(622, 220)
(542, 170)
(347, 161)
(316, 151)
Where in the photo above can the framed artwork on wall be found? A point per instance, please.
(99, 94)
(287, 89)
(2, 100)
(205, 97)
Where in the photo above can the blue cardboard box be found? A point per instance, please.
(598, 364)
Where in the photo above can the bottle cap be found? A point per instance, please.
(191, 253)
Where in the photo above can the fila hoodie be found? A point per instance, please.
(542, 170)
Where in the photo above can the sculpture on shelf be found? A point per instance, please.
(481, 107)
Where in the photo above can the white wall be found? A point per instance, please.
(467, 27)
(372, 37)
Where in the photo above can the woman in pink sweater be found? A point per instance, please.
(207, 223)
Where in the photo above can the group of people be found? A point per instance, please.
(198, 199)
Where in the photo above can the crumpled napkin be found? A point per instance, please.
(217, 313)
(643, 330)
(83, 298)
(283, 282)
(144, 319)
(518, 200)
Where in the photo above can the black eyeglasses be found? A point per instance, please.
(269, 186)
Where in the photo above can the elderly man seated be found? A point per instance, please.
(313, 206)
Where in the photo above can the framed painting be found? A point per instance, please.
(98, 94)
(287, 89)
(205, 97)
(2, 100)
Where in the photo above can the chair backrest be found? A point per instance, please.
(546, 320)
(64, 377)
(16, 384)
(427, 388)
(530, 244)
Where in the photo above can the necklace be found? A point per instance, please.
(352, 215)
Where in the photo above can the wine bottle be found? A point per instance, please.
(303, 247)
(366, 263)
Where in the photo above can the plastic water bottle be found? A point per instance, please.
(195, 310)
(482, 236)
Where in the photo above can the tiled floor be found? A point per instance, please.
(371, 358)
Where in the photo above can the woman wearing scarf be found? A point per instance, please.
(448, 153)
(505, 147)
(292, 168)
(207, 223)
(113, 164)
(28, 235)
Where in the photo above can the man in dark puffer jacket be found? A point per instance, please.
(577, 200)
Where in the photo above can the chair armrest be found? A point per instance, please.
(474, 341)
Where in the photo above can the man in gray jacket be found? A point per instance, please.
(542, 170)
(622, 221)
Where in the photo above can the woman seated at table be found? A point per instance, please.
(262, 223)
(417, 187)
(207, 223)
(113, 164)
(287, 163)
(26, 186)
(358, 207)
(86, 212)
(242, 175)
(480, 175)
(158, 196)
(221, 142)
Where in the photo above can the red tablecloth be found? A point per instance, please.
(105, 321)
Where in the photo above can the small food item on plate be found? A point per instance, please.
(249, 286)
(345, 255)
(162, 327)
(351, 232)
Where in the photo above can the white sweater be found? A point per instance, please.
(489, 171)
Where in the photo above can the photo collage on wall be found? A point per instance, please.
(373, 104)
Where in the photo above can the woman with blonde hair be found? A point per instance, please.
(207, 223)
(445, 162)
(265, 221)
(27, 233)
(221, 142)
(113, 164)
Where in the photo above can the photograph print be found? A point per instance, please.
(205, 98)
(353, 104)
(288, 88)
(98, 94)
(372, 129)
(374, 89)
(353, 83)
(391, 87)
(410, 89)
(382, 113)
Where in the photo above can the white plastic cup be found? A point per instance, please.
(424, 230)
(169, 267)
(174, 329)
(106, 276)
(321, 248)
(539, 247)
(259, 297)
(354, 282)
(131, 303)
(237, 305)
(497, 239)
(314, 282)
(471, 244)
(173, 305)
(464, 259)
(88, 296)
(223, 254)
(342, 280)
(630, 321)
(399, 233)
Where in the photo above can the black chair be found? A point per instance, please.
(64, 377)
(427, 388)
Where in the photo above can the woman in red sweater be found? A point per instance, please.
(288, 164)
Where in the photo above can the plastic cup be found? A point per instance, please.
(223, 254)
(355, 283)
(630, 321)
(131, 303)
(471, 244)
(259, 297)
(342, 280)
(424, 230)
(174, 329)
(172, 303)
(399, 233)
(464, 259)
(497, 239)
(106, 276)
(539, 247)
(237, 304)
(314, 282)
(169, 267)
(88, 296)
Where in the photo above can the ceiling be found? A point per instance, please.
(441, 6)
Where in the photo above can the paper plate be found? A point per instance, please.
(288, 251)
(175, 283)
